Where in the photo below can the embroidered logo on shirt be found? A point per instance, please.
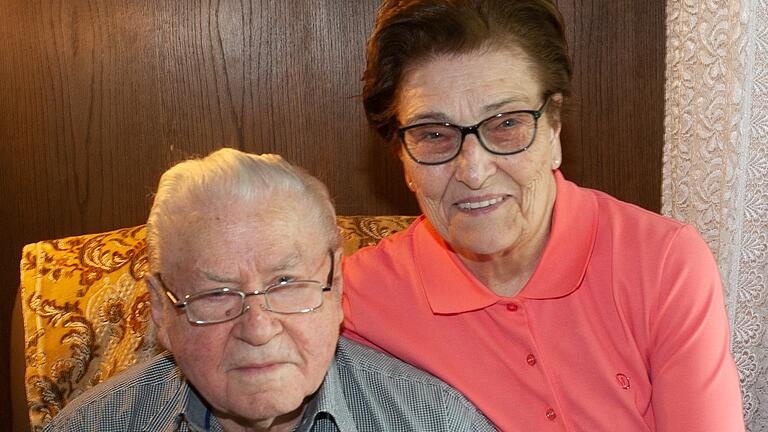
(623, 381)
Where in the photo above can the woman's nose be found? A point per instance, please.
(475, 163)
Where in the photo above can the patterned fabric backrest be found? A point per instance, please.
(86, 309)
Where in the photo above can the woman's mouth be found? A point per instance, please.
(479, 204)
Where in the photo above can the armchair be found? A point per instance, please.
(85, 308)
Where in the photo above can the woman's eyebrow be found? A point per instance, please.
(432, 116)
(496, 106)
(441, 117)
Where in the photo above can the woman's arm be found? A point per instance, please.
(694, 378)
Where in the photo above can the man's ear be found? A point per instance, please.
(338, 278)
(157, 300)
(338, 285)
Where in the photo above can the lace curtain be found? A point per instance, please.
(716, 163)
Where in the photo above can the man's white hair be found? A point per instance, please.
(231, 177)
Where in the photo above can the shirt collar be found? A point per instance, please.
(197, 415)
(329, 401)
(184, 410)
(451, 288)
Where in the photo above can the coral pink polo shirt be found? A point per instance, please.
(621, 327)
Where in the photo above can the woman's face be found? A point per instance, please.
(481, 203)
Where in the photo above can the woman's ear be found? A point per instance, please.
(409, 182)
(556, 126)
(403, 160)
(556, 148)
(157, 301)
(554, 111)
(557, 157)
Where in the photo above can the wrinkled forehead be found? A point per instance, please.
(238, 232)
(471, 77)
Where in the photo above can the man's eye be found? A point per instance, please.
(283, 279)
(215, 297)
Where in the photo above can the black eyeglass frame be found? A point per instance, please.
(182, 303)
(474, 130)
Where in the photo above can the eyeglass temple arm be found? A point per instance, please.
(168, 293)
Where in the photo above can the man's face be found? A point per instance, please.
(262, 365)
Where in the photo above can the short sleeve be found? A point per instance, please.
(694, 378)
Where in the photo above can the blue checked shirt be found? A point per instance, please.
(364, 390)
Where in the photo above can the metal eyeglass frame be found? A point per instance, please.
(474, 130)
(182, 303)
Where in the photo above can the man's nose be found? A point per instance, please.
(257, 326)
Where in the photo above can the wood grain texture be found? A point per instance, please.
(99, 97)
(613, 131)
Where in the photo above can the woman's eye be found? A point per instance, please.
(430, 135)
(508, 123)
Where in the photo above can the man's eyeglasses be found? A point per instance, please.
(505, 133)
(224, 304)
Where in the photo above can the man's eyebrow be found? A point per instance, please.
(288, 262)
(219, 278)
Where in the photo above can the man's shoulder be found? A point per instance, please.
(385, 389)
(356, 358)
(124, 398)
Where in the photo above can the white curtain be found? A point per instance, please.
(716, 163)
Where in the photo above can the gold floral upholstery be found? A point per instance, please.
(86, 309)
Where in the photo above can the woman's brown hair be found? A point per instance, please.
(411, 31)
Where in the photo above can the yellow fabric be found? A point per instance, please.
(86, 309)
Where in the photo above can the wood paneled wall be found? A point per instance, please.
(99, 97)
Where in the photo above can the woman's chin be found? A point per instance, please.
(486, 242)
(474, 237)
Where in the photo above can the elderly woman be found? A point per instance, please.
(552, 307)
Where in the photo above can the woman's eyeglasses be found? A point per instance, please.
(505, 133)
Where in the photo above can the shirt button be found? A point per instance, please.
(511, 307)
(551, 414)
(531, 360)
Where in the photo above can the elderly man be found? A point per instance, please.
(245, 290)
